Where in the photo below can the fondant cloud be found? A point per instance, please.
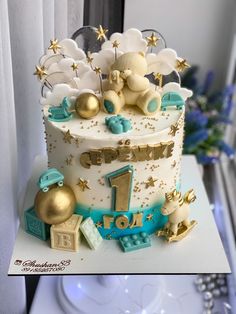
(59, 91)
(175, 87)
(164, 62)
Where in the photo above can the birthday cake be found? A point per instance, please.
(114, 126)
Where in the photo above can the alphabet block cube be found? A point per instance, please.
(35, 226)
(91, 233)
(66, 236)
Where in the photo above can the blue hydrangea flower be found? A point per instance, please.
(118, 124)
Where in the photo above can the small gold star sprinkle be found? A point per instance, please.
(54, 45)
(77, 140)
(97, 70)
(173, 129)
(115, 44)
(101, 33)
(40, 71)
(83, 184)
(152, 40)
(69, 160)
(67, 137)
(74, 66)
(150, 182)
(89, 58)
(173, 164)
(181, 65)
(98, 224)
(149, 217)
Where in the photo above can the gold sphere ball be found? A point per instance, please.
(87, 105)
(55, 206)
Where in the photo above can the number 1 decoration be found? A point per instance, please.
(121, 182)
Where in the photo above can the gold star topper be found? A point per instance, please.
(89, 58)
(54, 45)
(83, 184)
(181, 65)
(150, 182)
(115, 44)
(152, 40)
(97, 70)
(158, 76)
(74, 66)
(173, 129)
(67, 137)
(40, 71)
(101, 33)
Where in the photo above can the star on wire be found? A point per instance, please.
(97, 70)
(181, 65)
(101, 33)
(67, 137)
(89, 58)
(83, 184)
(115, 44)
(74, 66)
(150, 182)
(173, 129)
(158, 76)
(54, 45)
(152, 40)
(40, 71)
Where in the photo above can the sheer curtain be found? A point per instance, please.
(25, 29)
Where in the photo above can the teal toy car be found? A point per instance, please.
(172, 99)
(49, 177)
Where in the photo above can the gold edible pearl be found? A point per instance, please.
(87, 105)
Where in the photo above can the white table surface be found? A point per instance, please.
(200, 252)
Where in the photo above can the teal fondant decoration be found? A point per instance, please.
(149, 226)
(172, 99)
(109, 106)
(121, 188)
(118, 124)
(49, 177)
(135, 241)
(60, 113)
(152, 106)
(35, 226)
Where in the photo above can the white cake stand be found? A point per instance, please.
(110, 294)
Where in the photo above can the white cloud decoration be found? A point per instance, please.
(64, 65)
(104, 59)
(131, 40)
(59, 91)
(164, 62)
(175, 87)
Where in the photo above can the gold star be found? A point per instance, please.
(173, 129)
(115, 44)
(101, 33)
(69, 160)
(89, 58)
(98, 224)
(54, 45)
(74, 66)
(152, 40)
(149, 217)
(83, 184)
(150, 182)
(181, 65)
(40, 71)
(97, 70)
(157, 76)
(67, 137)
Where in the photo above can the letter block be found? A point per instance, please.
(66, 236)
(35, 226)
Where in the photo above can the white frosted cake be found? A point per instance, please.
(115, 137)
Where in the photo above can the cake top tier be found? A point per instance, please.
(128, 64)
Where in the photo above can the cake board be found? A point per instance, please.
(200, 252)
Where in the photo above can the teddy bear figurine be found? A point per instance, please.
(127, 85)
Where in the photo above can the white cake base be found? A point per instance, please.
(200, 252)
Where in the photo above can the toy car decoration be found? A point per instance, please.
(49, 177)
(172, 99)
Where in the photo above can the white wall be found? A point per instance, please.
(200, 30)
